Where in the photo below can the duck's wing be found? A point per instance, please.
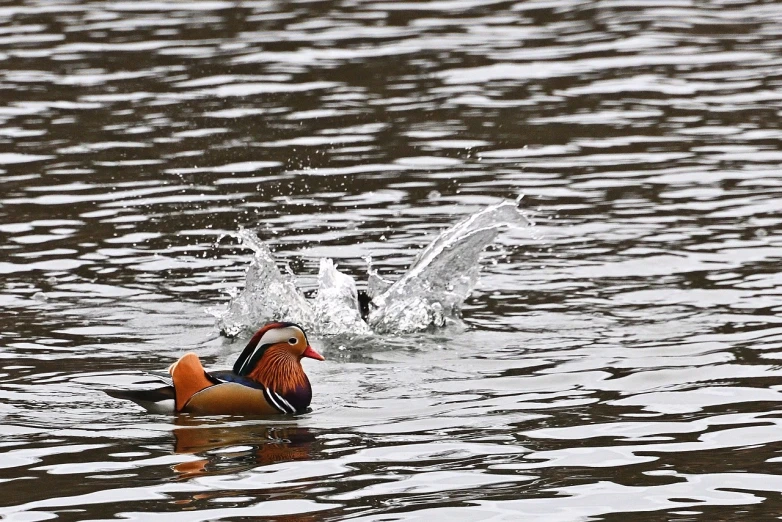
(219, 393)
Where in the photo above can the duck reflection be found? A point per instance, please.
(230, 449)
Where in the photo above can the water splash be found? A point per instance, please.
(268, 294)
(336, 306)
(430, 293)
(433, 289)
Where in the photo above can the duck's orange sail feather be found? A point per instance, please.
(189, 378)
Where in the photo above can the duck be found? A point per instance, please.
(266, 379)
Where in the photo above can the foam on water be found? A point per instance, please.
(430, 293)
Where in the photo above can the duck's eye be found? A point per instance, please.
(292, 340)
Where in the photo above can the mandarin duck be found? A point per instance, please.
(267, 378)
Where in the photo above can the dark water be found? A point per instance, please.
(625, 362)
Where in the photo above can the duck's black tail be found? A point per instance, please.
(157, 400)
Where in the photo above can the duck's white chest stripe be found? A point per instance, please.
(276, 400)
(285, 403)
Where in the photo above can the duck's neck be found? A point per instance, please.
(281, 371)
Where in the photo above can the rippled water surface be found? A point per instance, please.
(621, 361)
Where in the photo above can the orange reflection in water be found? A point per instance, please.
(229, 449)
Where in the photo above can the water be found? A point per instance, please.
(622, 362)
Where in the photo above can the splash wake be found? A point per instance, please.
(430, 293)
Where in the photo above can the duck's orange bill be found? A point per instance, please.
(312, 354)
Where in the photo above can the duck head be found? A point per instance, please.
(273, 357)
